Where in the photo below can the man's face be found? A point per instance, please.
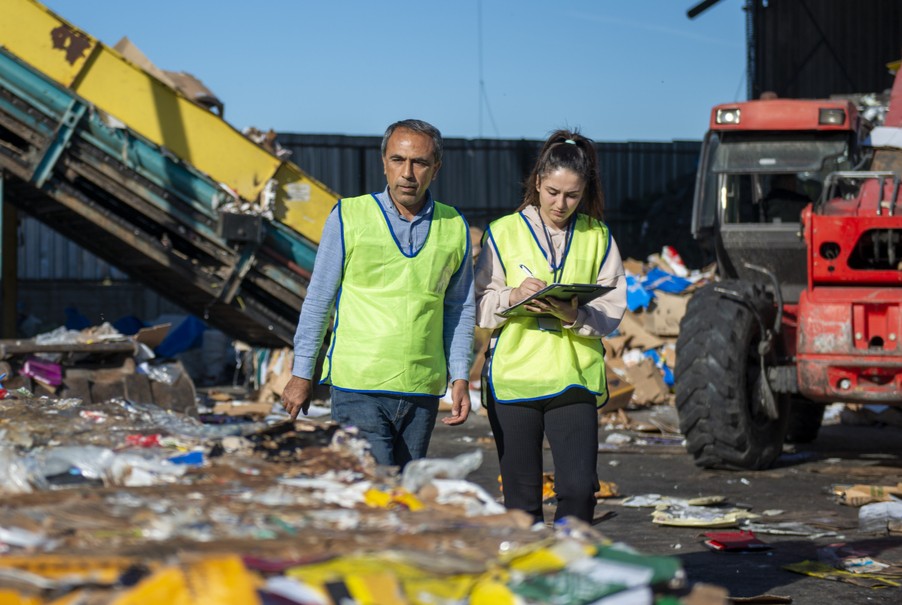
(410, 167)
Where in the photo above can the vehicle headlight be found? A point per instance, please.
(727, 116)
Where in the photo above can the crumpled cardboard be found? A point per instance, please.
(620, 392)
(665, 313)
(859, 495)
(633, 327)
(277, 375)
(648, 382)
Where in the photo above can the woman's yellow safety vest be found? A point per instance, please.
(387, 336)
(533, 358)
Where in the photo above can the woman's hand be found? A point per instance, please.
(565, 310)
(527, 288)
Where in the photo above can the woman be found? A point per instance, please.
(545, 376)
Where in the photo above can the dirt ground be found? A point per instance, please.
(800, 486)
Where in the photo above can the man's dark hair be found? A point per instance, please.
(417, 126)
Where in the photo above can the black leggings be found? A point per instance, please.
(570, 422)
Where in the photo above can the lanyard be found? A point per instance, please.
(556, 270)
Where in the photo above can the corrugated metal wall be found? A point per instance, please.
(483, 178)
(46, 255)
(815, 48)
(480, 177)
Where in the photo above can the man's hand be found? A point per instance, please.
(296, 396)
(460, 403)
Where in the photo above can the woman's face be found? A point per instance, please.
(560, 192)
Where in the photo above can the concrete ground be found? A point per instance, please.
(799, 486)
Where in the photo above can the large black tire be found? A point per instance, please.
(805, 419)
(718, 379)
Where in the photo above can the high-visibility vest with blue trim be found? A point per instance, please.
(387, 335)
(533, 359)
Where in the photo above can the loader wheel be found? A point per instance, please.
(719, 380)
(805, 420)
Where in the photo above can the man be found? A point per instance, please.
(396, 266)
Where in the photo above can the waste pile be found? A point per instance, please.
(97, 363)
(119, 502)
(642, 353)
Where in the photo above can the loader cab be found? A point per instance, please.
(752, 185)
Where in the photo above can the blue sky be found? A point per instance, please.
(620, 70)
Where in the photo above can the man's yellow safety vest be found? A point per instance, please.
(387, 336)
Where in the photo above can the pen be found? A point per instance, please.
(526, 270)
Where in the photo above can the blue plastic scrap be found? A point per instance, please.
(189, 459)
(637, 297)
(187, 335)
(658, 279)
(662, 365)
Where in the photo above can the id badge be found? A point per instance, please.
(549, 324)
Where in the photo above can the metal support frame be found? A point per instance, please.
(60, 140)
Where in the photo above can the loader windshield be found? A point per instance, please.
(780, 153)
(738, 171)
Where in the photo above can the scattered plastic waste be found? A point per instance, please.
(166, 373)
(880, 517)
(828, 572)
(787, 528)
(418, 473)
(45, 372)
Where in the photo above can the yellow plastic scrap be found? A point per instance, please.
(11, 597)
(828, 572)
(362, 575)
(407, 500)
(318, 575)
(168, 585)
(547, 486)
(211, 581)
(103, 570)
(493, 592)
(76, 597)
(552, 558)
(380, 499)
(376, 498)
(607, 489)
(441, 589)
(376, 588)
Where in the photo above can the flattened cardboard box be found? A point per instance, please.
(665, 314)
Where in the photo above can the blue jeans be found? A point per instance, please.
(398, 427)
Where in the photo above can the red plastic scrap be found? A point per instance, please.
(734, 541)
(143, 440)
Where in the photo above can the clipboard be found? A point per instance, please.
(585, 292)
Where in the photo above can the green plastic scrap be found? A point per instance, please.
(611, 571)
(564, 587)
(665, 570)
